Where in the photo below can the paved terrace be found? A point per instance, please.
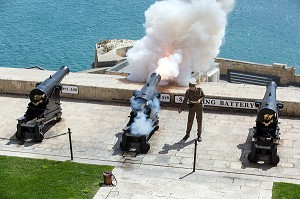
(222, 169)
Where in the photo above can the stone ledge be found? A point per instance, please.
(117, 88)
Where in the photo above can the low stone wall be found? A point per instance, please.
(90, 86)
(286, 74)
(116, 88)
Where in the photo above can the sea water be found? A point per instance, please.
(53, 33)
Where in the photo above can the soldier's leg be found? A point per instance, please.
(199, 114)
(191, 117)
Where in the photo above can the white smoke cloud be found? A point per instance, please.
(227, 5)
(182, 36)
(143, 123)
(155, 107)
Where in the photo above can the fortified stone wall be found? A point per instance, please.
(286, 74)
(111, 52)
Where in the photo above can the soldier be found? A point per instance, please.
(194, 99)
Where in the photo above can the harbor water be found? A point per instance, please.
(55, 33)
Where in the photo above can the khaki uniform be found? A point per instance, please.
(194, 100)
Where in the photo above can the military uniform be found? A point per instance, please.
(194, 100)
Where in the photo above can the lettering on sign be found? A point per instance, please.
(222, 103)
(178, 99)
(70, 89)
(165, 97)
(229, 103)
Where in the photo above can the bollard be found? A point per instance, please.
(107, 178)
(195, 154)
(70, 140)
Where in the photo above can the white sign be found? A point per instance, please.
(222, 103)
(229, 103)
(165, 97)
(70, 89)
(179, 99)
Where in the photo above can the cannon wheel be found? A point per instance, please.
(125, 145)
(58, 119)
(253, 156)
(144, 147)
(273, 157)
(20, 135)
(58, 116)
(38, 135)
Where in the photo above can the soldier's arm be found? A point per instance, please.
(202, 95)
(183, 105)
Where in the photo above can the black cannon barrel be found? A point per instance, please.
(47, 86)
(149, 90)
(269, 106)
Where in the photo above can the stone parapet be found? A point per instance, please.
(90, 86)
(111, 52)
(117, 88)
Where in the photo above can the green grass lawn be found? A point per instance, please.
(282, 190)
(35, 178)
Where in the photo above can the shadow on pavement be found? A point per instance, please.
(15, 141)
(116, 148)
(186, 175)
(176, 146)
(29, 141)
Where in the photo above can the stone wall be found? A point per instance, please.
(286, 74)
(111, 52)
(117, 88)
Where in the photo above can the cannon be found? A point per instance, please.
(266, 133)
(144, 119)
(43, 108)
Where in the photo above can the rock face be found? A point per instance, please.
(111, 52)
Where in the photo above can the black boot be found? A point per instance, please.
(199, 139)
(186, 136)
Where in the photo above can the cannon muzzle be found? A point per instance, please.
(149, 91)
(268, 107)
(44, 90)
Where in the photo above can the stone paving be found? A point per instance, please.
(222, 168)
